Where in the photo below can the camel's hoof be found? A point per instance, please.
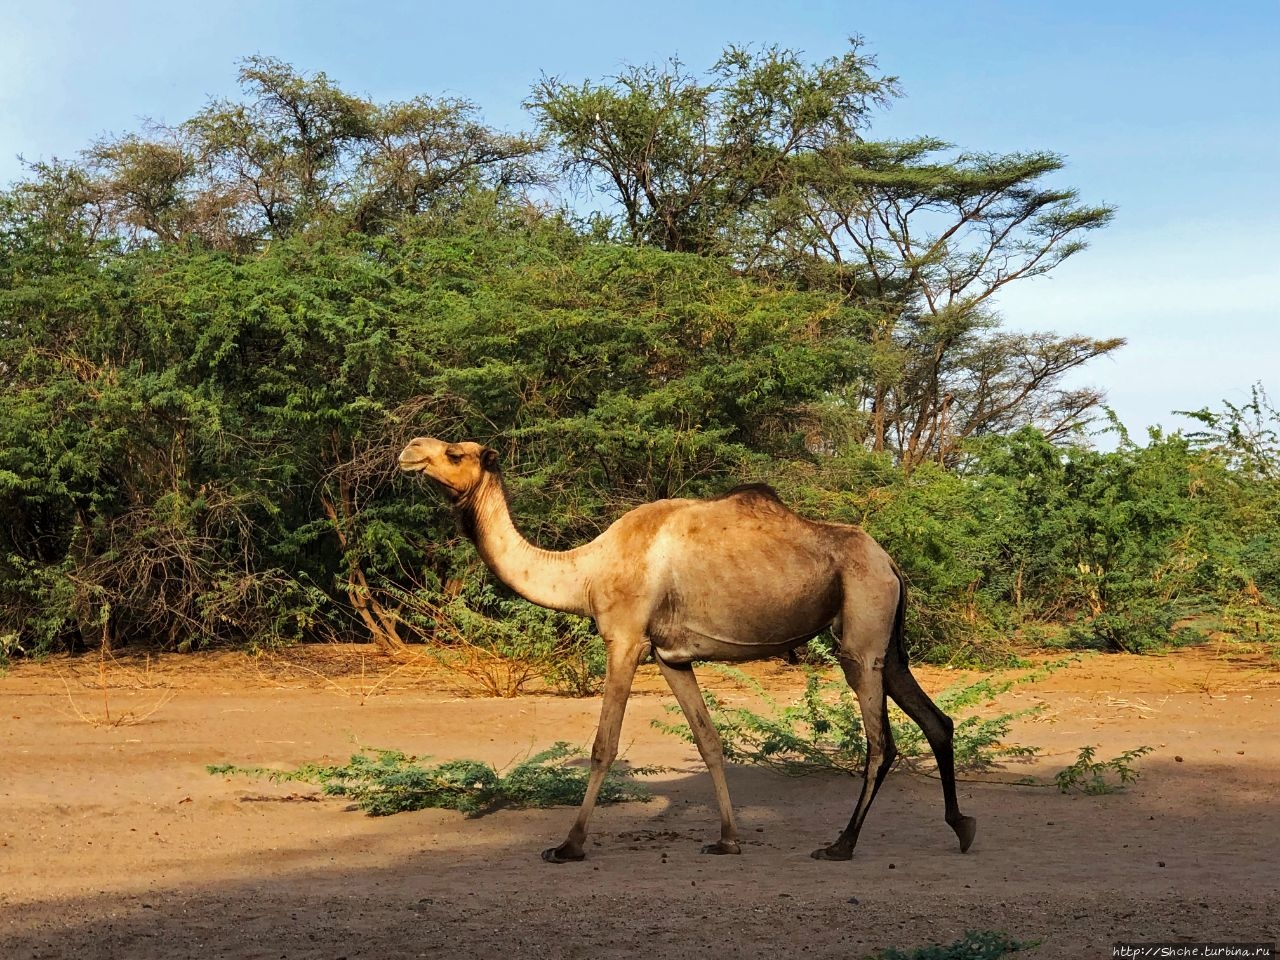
(723, 847)
(832, 853)
(966, 828)
(560, 855)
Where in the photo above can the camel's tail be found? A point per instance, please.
(897, 639)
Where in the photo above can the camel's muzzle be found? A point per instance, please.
(409, 465)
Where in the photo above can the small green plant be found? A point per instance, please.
(383, 782)
(1248, 616)
(823, 731)
(1094, 777)
(974, 945)
(498, 652)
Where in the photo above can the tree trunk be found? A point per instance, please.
(380, 621)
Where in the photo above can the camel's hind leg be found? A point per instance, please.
(938, 729)
(866, 676)
(619, 673)
(685, 686)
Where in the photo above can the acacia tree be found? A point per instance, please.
(765, 162)
(424, 154)
(1246, 435)
(690, 161)
(294, 153)
(212, 346)
(924, 243)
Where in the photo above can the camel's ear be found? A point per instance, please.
(489, 459)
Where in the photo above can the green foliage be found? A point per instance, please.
(215, 337)
(812, 735)
(1116, 546)
(577, 668)
(1253, 621)
(383, 782)
(766, 160)
(974, 945)
(1247, 436)
(212, 458)
(823, 730)
(689, 161)
(1094, 776)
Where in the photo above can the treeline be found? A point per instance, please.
(216, 336)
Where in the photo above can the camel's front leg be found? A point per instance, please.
(620, 670)
(685, 686)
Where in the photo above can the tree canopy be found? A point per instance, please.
(214, 337)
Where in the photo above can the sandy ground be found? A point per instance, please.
(115, 842)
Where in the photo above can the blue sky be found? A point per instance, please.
(1169, 110)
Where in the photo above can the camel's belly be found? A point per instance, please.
(706, 627)
(734, 581)
(686, 646)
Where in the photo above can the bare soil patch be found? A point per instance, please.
(115, 842)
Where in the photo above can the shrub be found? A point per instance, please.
(823, 731)
(383, 782)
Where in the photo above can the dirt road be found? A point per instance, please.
(116, 843)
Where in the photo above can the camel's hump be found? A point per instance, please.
(748, 491)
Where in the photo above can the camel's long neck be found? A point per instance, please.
(548, 578)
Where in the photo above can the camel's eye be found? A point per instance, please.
(454, 457)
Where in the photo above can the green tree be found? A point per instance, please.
(215, 337)
(691, 162)
(765, 162)
(294, 153)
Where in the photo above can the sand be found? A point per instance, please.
(116, 843)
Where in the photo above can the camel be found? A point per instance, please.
(738, 577)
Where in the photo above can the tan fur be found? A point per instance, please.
(739, 577)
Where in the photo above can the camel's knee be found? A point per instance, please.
(604, 748)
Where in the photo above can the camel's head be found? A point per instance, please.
(458, 467)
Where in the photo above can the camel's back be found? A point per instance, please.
(748, 521)
(753, 522)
